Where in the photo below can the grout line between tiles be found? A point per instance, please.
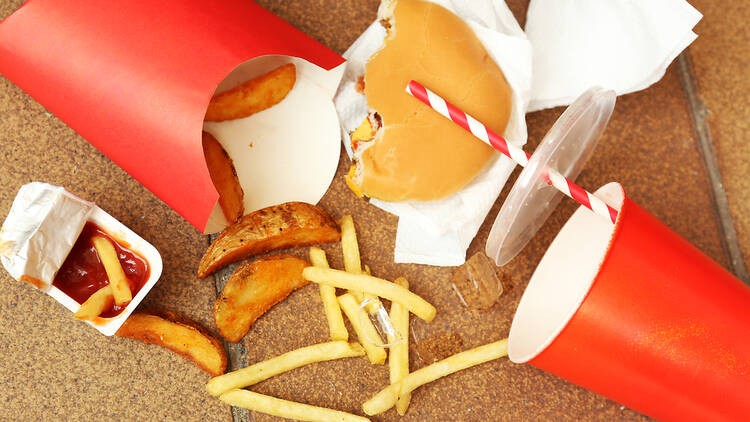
(235, 351)
(698, 114)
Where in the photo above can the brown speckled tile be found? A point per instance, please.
(55, 366)
(156, 385)
(721, 61)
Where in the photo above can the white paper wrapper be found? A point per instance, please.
(40, 230)
(439, 232)
(277, 161)
(624, 45)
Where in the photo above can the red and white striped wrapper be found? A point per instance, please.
(515, 153)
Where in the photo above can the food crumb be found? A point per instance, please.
(439, 346)
(251, 144)
(360, 87)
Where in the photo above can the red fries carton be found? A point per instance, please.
(135, 77)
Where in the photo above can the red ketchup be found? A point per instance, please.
(82, 273)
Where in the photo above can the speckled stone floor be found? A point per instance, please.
(696, 119)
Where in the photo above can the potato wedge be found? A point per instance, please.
(252, 289)
(255, 95)
(279, 226)
(178, 334)
(223, 174)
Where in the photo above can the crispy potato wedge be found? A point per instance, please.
(252, 289)
(255, 95)
(275, 227)
(223, 174)
(178, 334)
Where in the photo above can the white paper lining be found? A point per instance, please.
(288, 152)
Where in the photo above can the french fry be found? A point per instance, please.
(253, 96)
(117, 280)
(95, 304)
(350, 246)
(353, 261)
(224, 176)
(353, 264)
(263, 370)
(285, 408)
(388, 397)
(373, 285)
(398, 359)
(365, 332)
(336, 326)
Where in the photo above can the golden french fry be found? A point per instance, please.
(285, 408)
(350, 250)
(398, 359)
(117, 280)
(224, 176)
(350, 246)
(353, 262)
(365, 332)
(373, 285)
(263, 370)
(95, 304)
(387, 397)
(255, 95)
(336, 326)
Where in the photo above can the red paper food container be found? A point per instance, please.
(637, 314)
(135, 77)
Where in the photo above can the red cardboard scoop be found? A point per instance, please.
(135, 77)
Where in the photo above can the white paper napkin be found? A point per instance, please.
(624, 45)
(439, 232)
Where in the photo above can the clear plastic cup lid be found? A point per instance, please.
(565, 148)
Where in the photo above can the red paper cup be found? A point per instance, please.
(637, 314)
(135, 77)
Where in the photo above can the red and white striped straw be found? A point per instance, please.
(515, 153)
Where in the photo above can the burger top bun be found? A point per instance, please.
(405, 150)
